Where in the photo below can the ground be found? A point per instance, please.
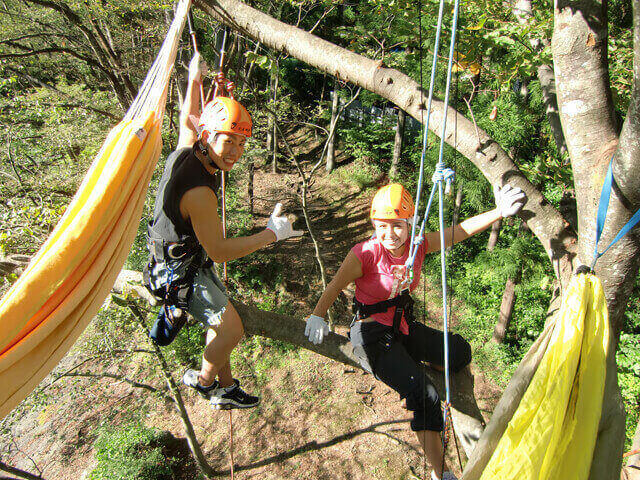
(318, 419)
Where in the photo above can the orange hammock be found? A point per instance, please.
(68, 279)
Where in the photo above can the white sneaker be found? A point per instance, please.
(226, 398)
(445, 476)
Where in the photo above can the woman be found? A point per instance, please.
(385, 339)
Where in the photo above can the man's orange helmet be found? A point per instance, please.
(225, 115)
(392, 202)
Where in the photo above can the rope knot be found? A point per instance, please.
(443, 174)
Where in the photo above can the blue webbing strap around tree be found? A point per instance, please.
(603, 207)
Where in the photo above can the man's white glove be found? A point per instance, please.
(509, 200)
(197, 68)
(316, 329)
(281, 226)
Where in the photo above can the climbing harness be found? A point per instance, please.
(403, 304)
(169, 275)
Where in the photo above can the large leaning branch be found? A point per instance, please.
(467, 416)
(555, 234)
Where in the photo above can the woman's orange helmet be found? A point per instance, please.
(225, 115)
(392, 202)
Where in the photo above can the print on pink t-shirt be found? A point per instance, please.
(384, 276)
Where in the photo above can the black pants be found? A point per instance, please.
(395, 362)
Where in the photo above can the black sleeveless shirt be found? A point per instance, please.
(182, 172)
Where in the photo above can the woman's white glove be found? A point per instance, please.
(281, 226)
(509, 200)
(316, 329)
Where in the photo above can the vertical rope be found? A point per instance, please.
(231, 440)
(413, 228)
(194, 42)
(224, 218)
(425, 129)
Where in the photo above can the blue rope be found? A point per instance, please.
(425, 134)
(441, 175)
(603, 207)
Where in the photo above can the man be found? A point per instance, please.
(186, 232)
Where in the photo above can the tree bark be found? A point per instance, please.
(523, 11)
(331, 147)
(457, 206)
(18, 473)
(397, 144)
(555, 235)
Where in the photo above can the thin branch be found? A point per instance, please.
(19, 473)
(10, 157)
(326, 12)
(192, 440)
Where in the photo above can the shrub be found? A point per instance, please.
(132, 452)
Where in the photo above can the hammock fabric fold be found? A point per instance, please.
(553, 432)
(65, 284)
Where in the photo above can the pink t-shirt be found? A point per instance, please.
(384, 276)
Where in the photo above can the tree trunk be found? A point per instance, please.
(457, 205)
(506, 308)
(331, 148)
(246, 78)
(397, 144)
(270, 126)
(494, 235)
(523, 11)
(579, 47)
(192, 440)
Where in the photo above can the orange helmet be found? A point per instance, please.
(392, 202)
(225, 115)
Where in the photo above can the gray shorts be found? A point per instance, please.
(208, 299)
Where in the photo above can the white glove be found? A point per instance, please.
(509, 200)
(316, 329)
(197, 68)
(281, 226)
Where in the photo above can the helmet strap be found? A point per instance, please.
(203, 150)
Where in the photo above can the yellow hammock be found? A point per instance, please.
(68, 279)
(553, 432)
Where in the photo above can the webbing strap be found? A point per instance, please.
(603, 207)
(403, 304)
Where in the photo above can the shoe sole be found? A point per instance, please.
(231, 406)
